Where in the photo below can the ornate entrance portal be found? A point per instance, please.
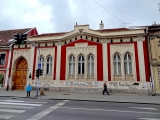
(20, 74)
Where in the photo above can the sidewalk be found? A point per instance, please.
(51, 95)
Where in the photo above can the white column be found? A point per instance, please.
(122, 67)
(105, 62)
(141, 61)
(31, 60)
(7, 70)
(58, 62)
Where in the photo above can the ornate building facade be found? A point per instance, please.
(82, 59)
(6, 52)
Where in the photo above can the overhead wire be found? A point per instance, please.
(108, 11)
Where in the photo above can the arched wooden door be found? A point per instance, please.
(20, 74)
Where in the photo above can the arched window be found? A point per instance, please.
(41, 61)
(117, 64)
(81, 65)
(49, 65)
(127, 64)
(71, 65)
(90, 65)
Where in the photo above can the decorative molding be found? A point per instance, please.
(126, 39)
(49, 44)
(90, 76)
(117, 77)
(81, 45)
(15, 46)
(71, 76)
(140, 38)
(116, 40)
(22, 46)
(128, 77)
(58, 43)
(42, 44)
(80, 31)
(28, 45)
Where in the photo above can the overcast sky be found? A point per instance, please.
(61, 15)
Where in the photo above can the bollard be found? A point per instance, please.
(42, 92)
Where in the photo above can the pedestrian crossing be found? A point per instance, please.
(9, 108)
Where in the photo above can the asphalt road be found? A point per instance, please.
(33, 109)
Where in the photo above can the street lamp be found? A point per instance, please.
(22, 39)
(38, 64)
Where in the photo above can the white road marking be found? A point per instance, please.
(6, 116)
(21, 101)
(149, 118)
(143, 108)
(111, 110)
(15, 106)
(46, 111)
(7, 103)
(12, 111)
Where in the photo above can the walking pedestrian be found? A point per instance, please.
(28, 89)
(105, 88)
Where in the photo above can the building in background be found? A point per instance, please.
(154, 50)
(6, 52)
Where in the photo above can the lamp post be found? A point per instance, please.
(37, 64)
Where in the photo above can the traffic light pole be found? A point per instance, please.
(37, 65)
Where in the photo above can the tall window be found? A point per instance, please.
(127, 64)
(71, 65)
(81, 65)
(2, 58)
(49, 65)
(41, 61)
(90, 65)
(117, 64)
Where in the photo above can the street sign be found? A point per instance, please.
(39, 66)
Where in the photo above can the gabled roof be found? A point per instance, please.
(63, 33)
(6, 35)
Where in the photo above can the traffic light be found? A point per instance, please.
(41, 72)
(37, 73)
(20, 38)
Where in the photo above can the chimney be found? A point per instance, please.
(101, 25)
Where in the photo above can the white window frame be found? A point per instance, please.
(72, 63)
(127, 61)
(41, 61)
(50, 63)
(90, 63)
(115, 62)
(81, 62)
(4, 60)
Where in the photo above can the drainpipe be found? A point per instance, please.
(151, 66)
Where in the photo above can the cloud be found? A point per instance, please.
(62, 15)
(24, 14)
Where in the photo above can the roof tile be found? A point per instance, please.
(6, 35)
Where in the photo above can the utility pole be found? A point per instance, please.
(22, 39)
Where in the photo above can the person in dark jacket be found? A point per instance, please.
(28, 89)
(105, 88)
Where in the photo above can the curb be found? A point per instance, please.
(15, 97)
(105, 101)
